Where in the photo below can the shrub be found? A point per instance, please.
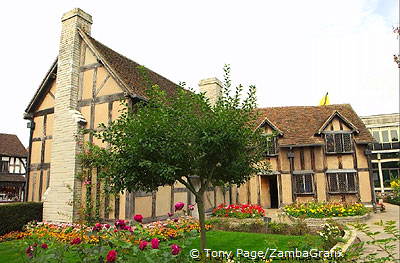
(14, 216)
(250, 225)
(322, 209)
(394, 196)
(239, 211)
(299, 228)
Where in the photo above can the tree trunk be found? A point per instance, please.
(202, 219)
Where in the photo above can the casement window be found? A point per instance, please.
(303, 183)
(338, 142)
(342, 182)
(4, 168)
(271, 146)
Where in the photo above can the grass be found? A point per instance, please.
(216, 240)
(230, 241)
(9, 252)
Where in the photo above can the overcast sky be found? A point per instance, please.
(293, 51)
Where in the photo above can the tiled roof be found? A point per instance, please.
(300, 124)
(129, 73)
(10, 145)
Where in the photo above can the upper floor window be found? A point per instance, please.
(271, 145)
(303, 183)
(342, 182)
(385, 135)
(338, 142)
(4, 166)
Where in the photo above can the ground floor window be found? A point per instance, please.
(10, 193)
(389, 171)
(342, 182)
(303, 183)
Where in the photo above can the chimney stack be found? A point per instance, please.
(65, 189)
(212, 87)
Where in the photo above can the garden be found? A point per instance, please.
(170, 240)
(174, 239)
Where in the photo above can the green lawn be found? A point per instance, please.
(230, 241)
(216, 240)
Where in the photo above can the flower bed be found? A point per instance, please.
(239, 211)
(121, 242)
(324, 210)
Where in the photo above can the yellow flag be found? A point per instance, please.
(324, 101)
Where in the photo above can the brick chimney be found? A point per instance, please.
(212, 87)
(59, 205)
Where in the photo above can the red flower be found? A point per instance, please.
(120, 223)
(138, 218)
(176, 219)
(112, 256)
(170, 214)
(107, 226)
(179, 206)
(76, 241)
(97, 227)
(154, 243)
(175, 249)
(44, 245)
(29, 251)
(142, 245)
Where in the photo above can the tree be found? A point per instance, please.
(182, 138)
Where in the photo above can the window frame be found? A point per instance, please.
(6, 165)
(272, 142)
(303, 175)
(342, 139)
(339, 191)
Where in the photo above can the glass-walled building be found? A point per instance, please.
(385, 157)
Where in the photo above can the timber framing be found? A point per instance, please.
(102, 99)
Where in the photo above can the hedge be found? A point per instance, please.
(15, 215)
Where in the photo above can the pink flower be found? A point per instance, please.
(87, 182)
(112, 256)
(44, 245)
(170, 214)
(142, 245)
(29, 251)
(115, 230)
(175, 220)
(191, 207)
(120, 224)
(97, 227)
(154, 243)
(107, 226)
(138, 218)
(179, 206)
(175, 249)
(76, 241)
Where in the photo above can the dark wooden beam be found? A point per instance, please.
(43, 112)
(89, 67)
(102, 99)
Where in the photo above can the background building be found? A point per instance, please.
(12, 168)
(386, 148)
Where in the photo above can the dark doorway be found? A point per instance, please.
(273, 191)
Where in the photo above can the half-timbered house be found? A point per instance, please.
(12, 168)
(318, 153)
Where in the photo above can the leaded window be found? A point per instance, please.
(271, 146)
(4, 166)
(338, 142)
(342, 182)
(303, 183)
